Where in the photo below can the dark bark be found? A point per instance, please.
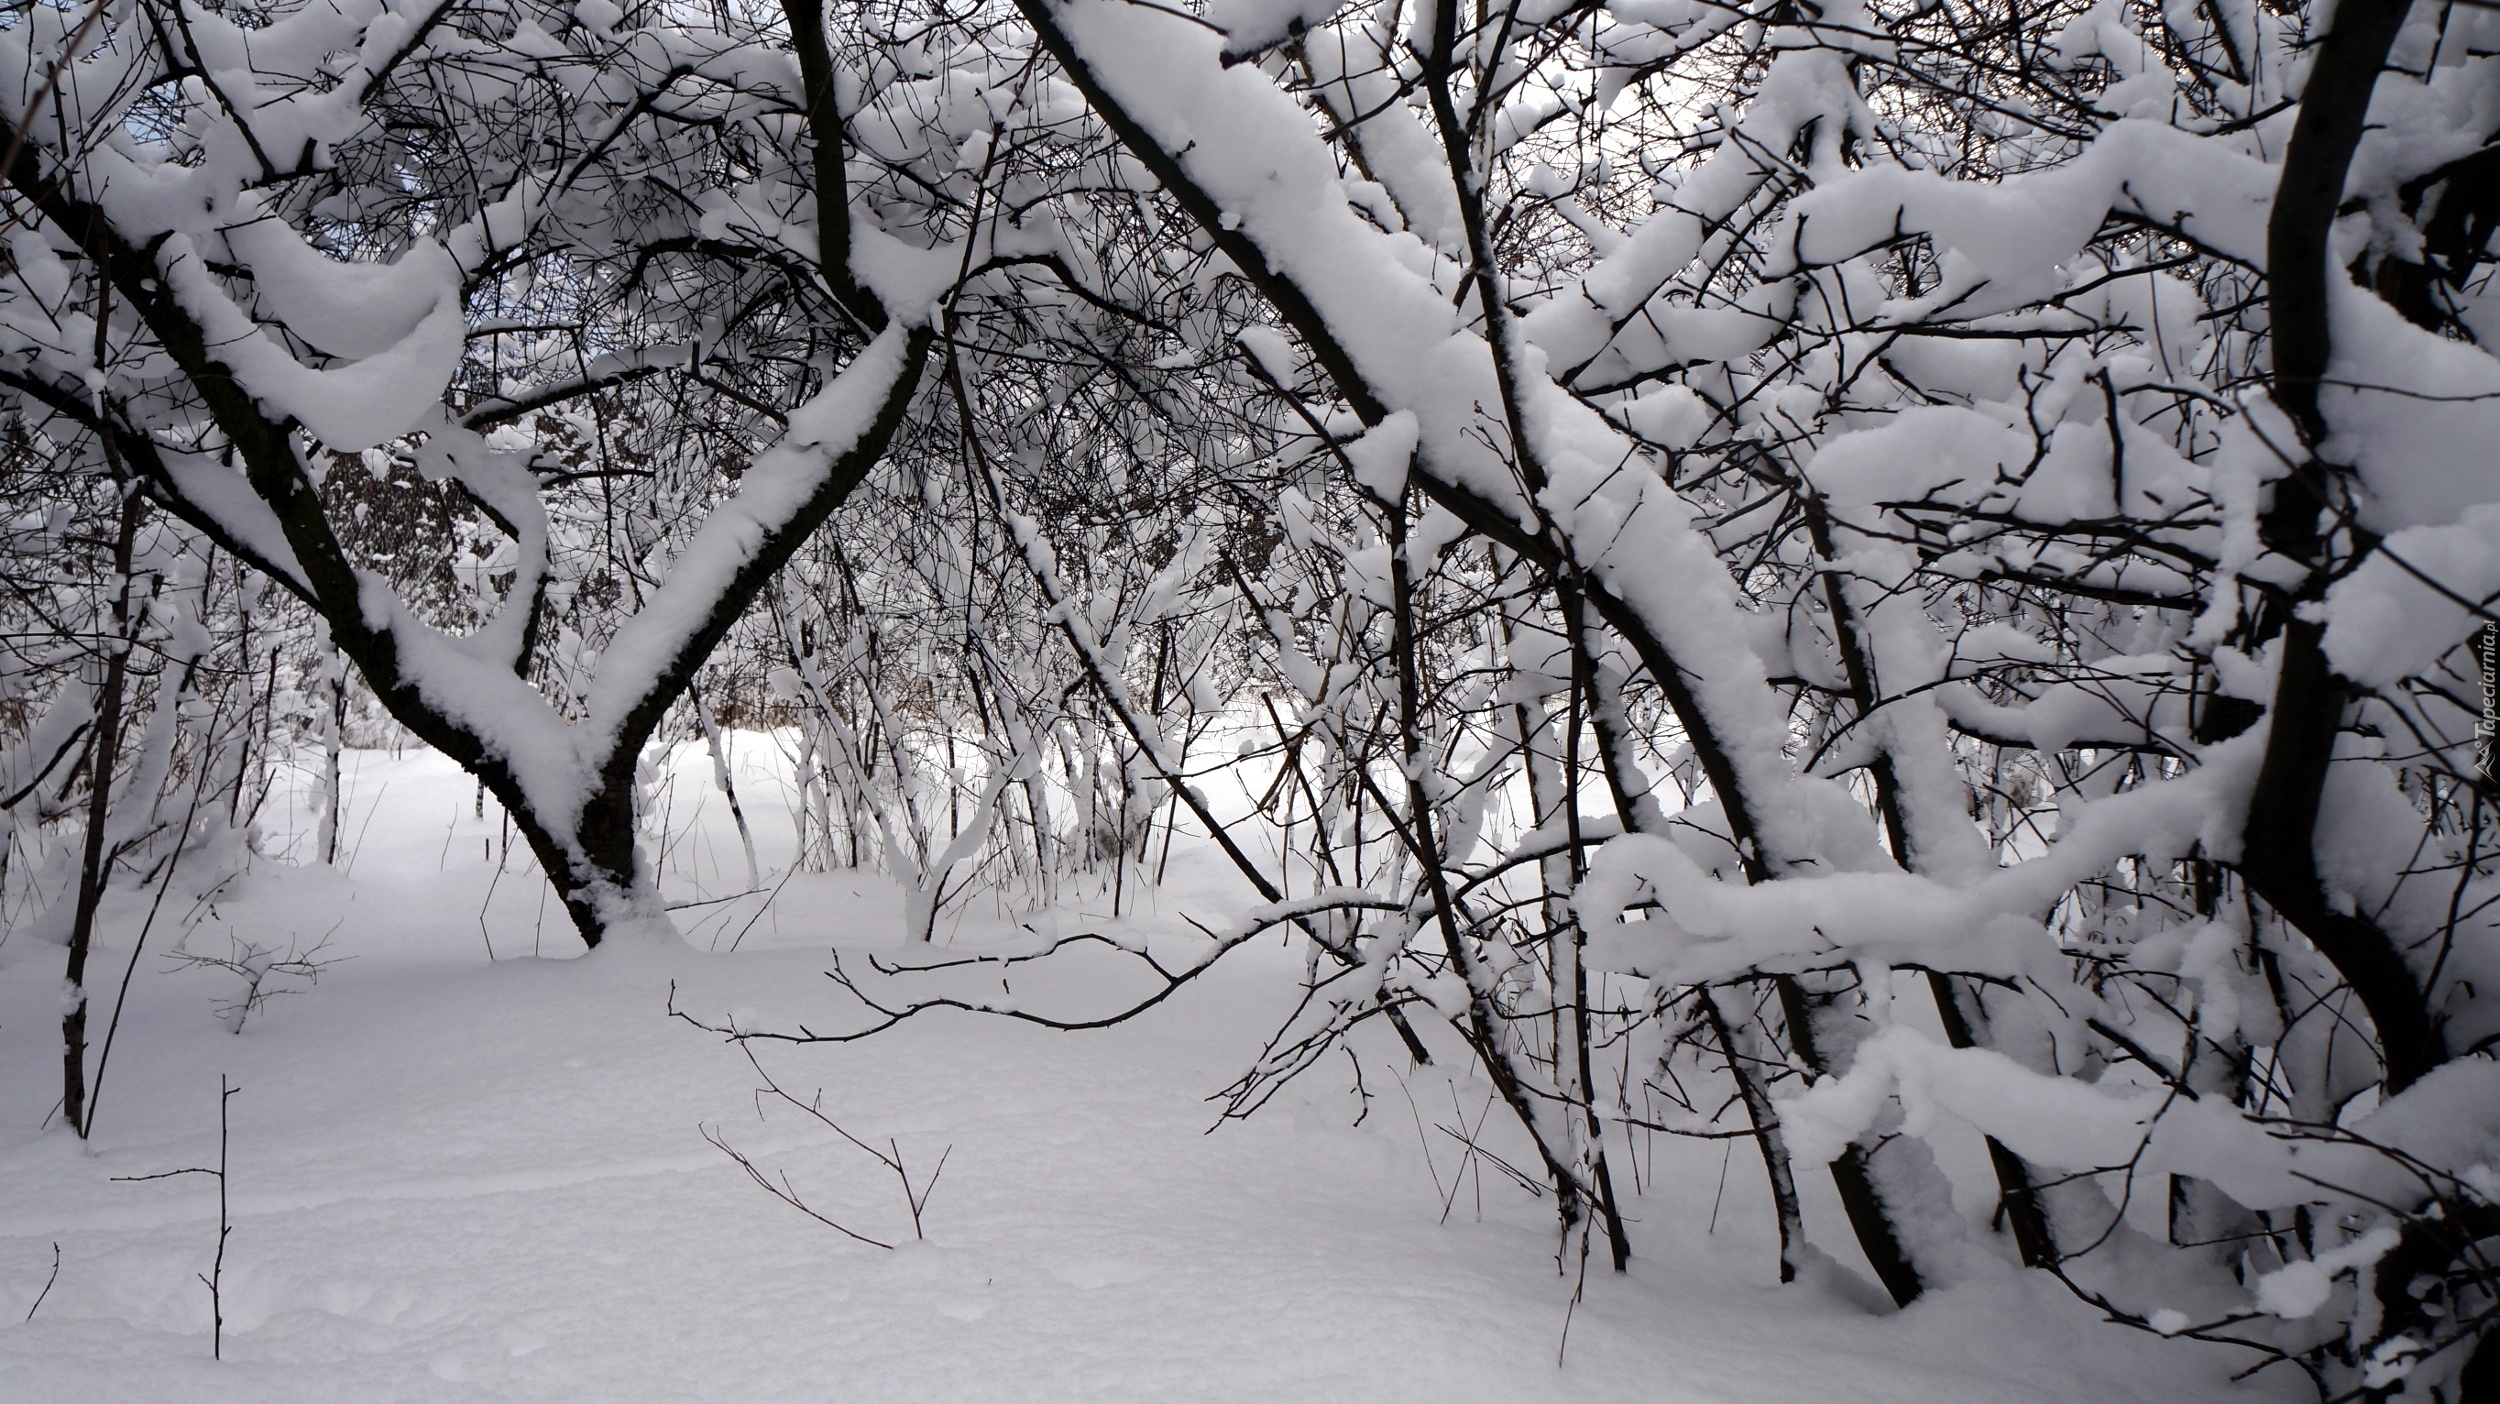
(2017, 1193)
(1484, 1024)
(1764, 1118)
(2456, 234)
(2278, 854)
(2334, 107)
(1869, 1217)
(1584, 684)
(2278, 858)
(833, 199)
(2279, 861)
(96, 858)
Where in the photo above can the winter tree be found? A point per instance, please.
(1797, 573)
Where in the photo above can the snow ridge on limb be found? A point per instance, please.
(1701, 930)
(1612, 324)
(2009, 244)
(832, 441)
(2067, 1124)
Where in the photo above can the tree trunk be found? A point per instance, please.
(96, 860)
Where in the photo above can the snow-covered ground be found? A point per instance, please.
(462, 1177)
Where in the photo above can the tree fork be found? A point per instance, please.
(600, 865)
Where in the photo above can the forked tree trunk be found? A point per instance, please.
(588, 853)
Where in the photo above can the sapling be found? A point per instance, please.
(256, 966)
(214, 1279)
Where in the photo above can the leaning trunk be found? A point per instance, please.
(95, 862)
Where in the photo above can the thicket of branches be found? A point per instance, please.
(1812, 574)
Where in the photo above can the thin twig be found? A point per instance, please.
(47, 1283)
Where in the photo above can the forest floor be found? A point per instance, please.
(456, 1177)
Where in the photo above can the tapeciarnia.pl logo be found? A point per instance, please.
(2487, 731)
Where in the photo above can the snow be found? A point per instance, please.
(2412, 410)
(1703, 929)
(464, 1178)
(2299, 1289)
(1254, 24)
(2012, 239)
(774, 491)
(2388, 621)
(344, 309)
(350, 407)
